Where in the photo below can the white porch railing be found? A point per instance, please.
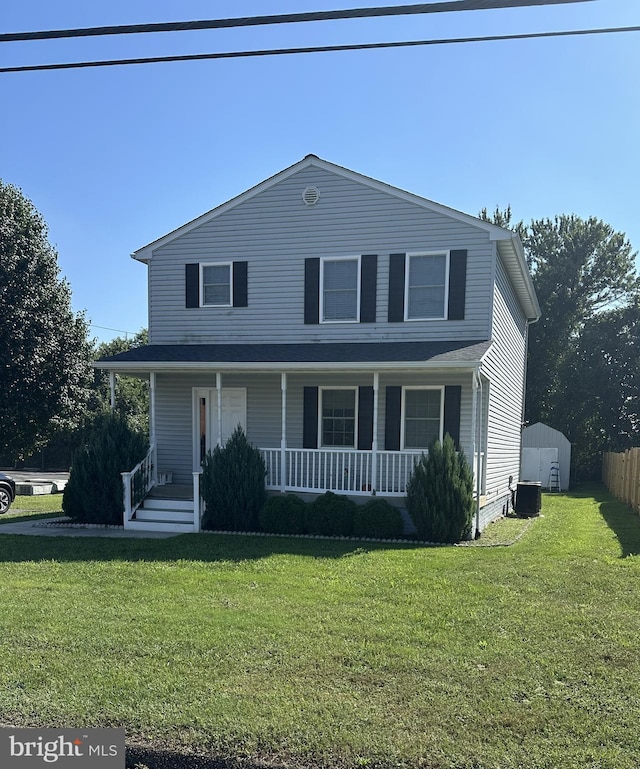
(345, 471)
(137, 484)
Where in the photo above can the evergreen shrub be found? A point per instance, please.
(283, 514)
(233, 485)
(440, 494)
(94, 492)
(378, 519)
(331, 515)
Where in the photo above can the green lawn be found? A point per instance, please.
(31, 507)
(339, 653)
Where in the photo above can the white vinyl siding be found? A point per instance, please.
(426, 289)
(275, 232)
(215, 285)
(340, 289)
(504, 365)
(422, 417)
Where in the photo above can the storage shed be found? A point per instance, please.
(541, 446)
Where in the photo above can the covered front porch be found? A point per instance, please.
(345, 425)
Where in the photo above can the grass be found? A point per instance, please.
(27, 507)
(338, 654)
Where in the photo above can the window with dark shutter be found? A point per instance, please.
(368, 287)
(312, 290)
(452, 401)
(192, 285)
(457, 284)
(240, 289)
(310, 418)
(396, 288)
(365, 418)
(393, 409)
(421, 416)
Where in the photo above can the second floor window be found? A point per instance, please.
(340, 290)
(216, 285)
(426, 287)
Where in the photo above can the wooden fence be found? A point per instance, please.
(621, 475)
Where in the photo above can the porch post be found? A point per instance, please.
(152, 426)
(374, 442)
(219, 406)
(112, 387)
(283, 439)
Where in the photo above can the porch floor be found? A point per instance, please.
(172, 491)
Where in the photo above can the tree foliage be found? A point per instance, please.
(583, 353)
(440, 494)
(94, 491)
(132, 394)
(233, 485)
(44, 345)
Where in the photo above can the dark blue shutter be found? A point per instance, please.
(192, 285)
(452, 399)
(368, 287)
(457, 284)
(365, 418)
(240, 297)
(310, 418)
(393, 407)
(312, 290)
(396, 288)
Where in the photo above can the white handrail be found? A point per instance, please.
(137, 484)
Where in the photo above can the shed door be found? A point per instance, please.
(536, 464)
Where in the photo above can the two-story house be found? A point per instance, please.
(344, 323)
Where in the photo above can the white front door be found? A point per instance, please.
(206, 431)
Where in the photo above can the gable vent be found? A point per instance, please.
(310, 196)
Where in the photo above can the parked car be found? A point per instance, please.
(7, 492)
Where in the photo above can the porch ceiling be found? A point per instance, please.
(371, 356)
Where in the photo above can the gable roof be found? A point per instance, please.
(508, 243)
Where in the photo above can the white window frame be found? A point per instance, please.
(407, 277)
(201, 283)
(403, 414)
(321, 443)
(325, 259)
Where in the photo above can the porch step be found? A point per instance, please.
(171, 516)
(178, 528)
(154, 503)
(164, 514)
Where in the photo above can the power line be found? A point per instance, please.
(314, 49)
(288, 18)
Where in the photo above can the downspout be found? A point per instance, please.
(529, 322)
(477, 386)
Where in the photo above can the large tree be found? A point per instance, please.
(132, 394)
(582, 269)
(44, 345)
(582, 373)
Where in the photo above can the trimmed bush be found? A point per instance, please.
(233, 485)
(94, 491)
(440, 494)
(378, 519)
(283, 514)
(331, 515)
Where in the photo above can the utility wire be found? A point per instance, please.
(288, 18)
(314, 49)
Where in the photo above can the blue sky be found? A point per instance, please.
(116, 157)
